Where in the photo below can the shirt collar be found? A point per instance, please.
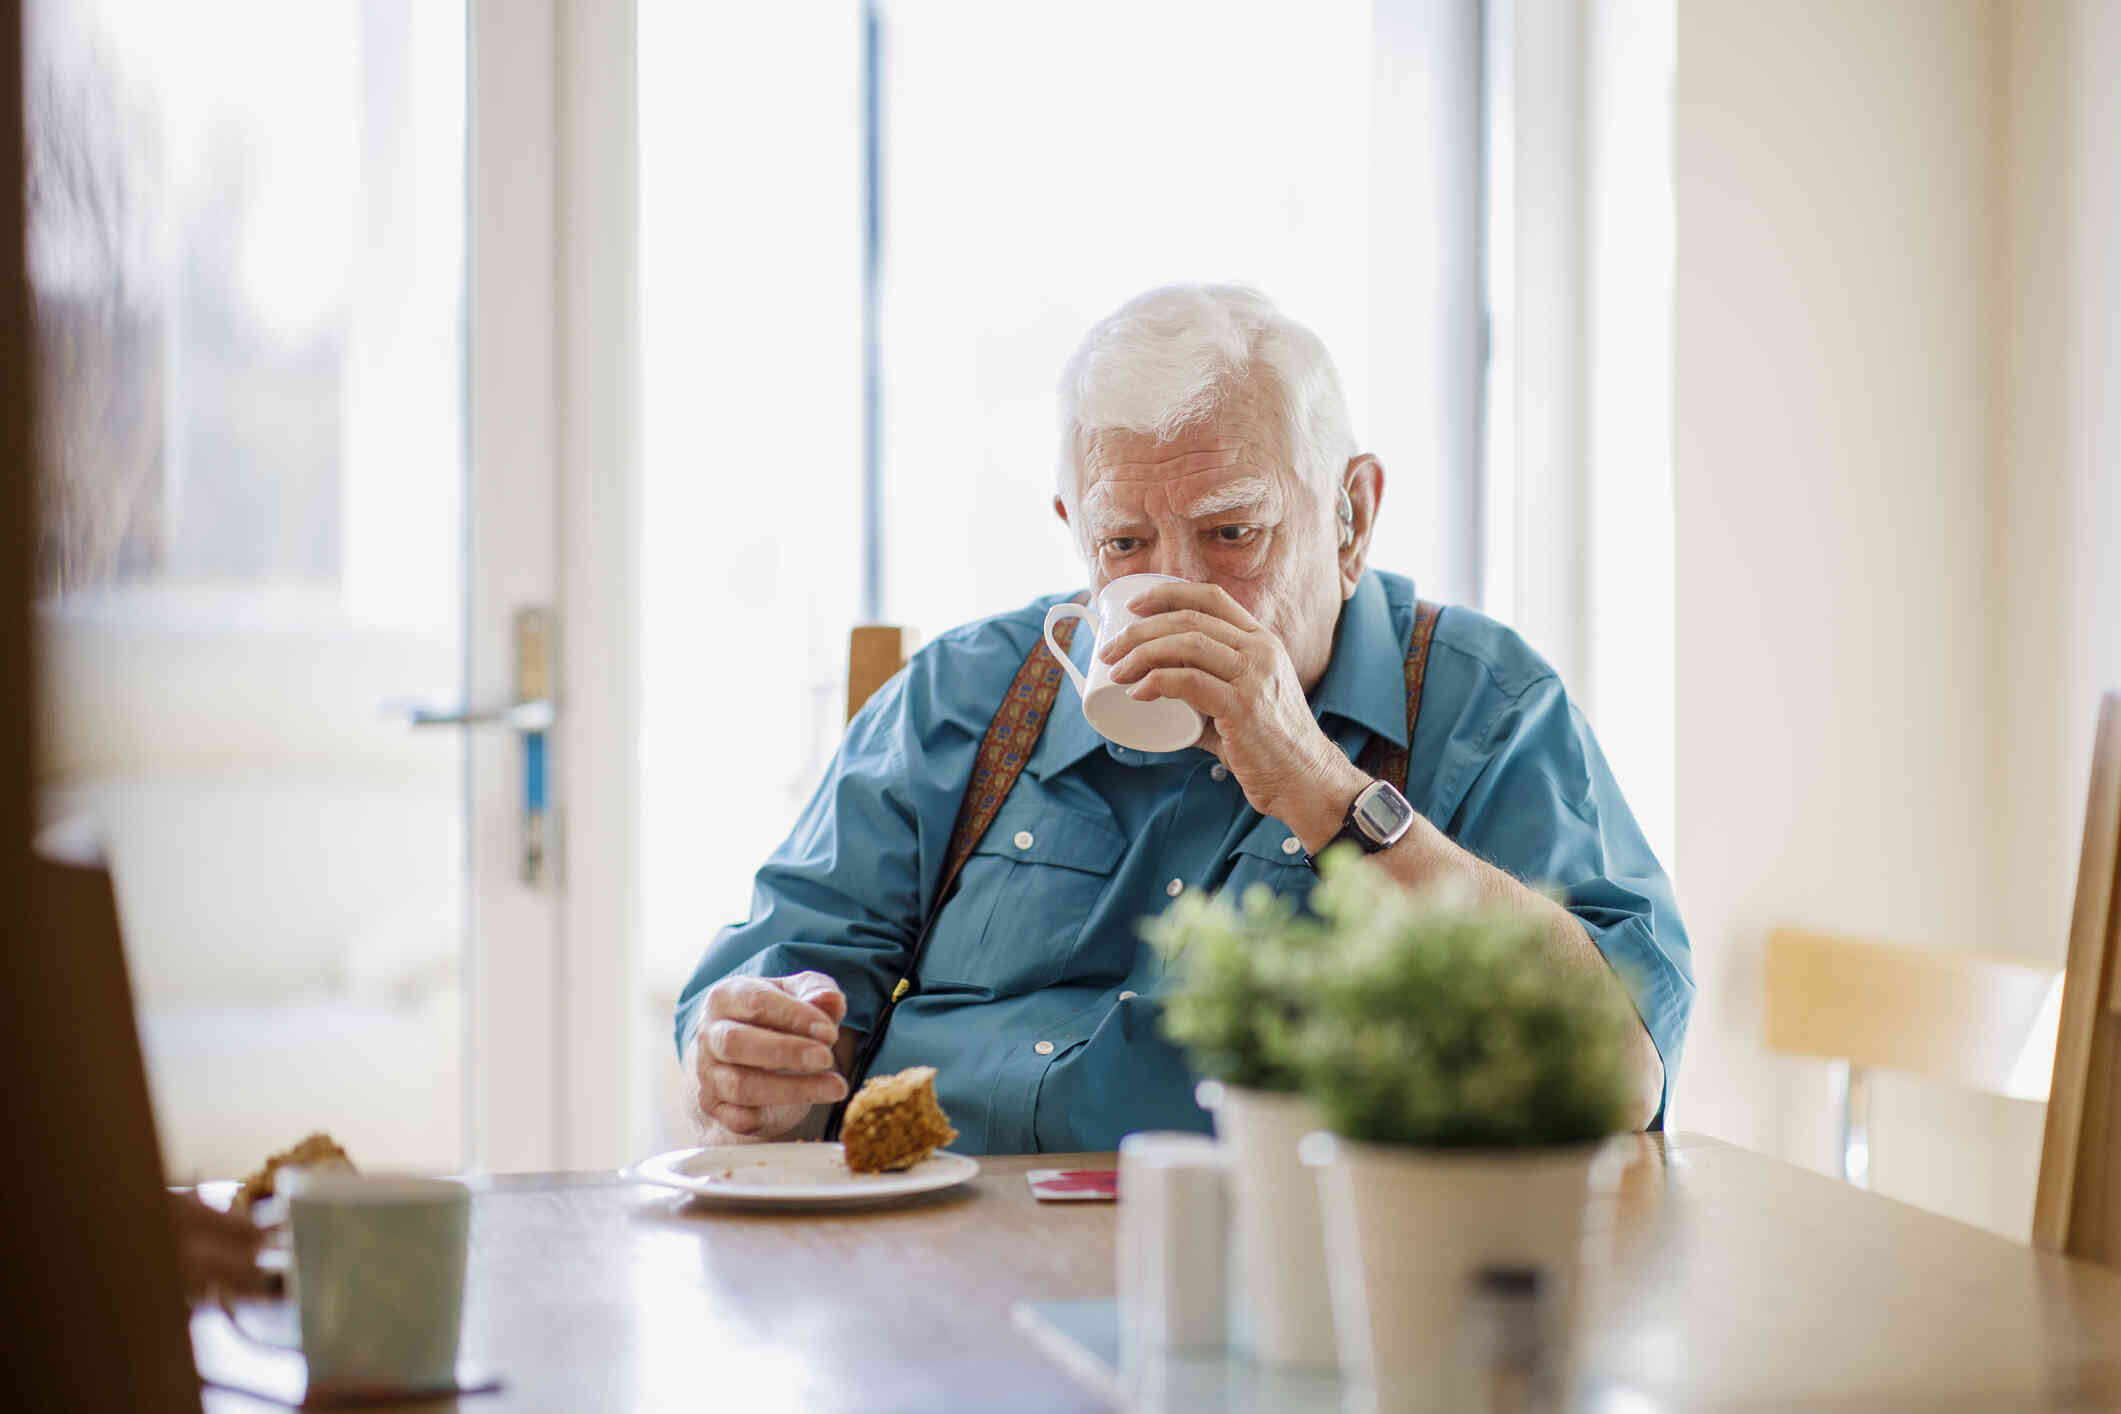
(1069, 737)
(1366, 679)
(1365, 683)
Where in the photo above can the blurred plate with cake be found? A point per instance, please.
(892, 1135)
(801, 1173)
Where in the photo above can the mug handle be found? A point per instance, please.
(1068, 608)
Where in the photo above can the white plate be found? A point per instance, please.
(795, 1174)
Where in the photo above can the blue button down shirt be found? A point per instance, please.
(1037, 1001)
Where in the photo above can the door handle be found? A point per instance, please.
(534, 716)
(530, 716)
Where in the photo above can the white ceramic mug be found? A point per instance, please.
(1165, 724)
(379, 1281)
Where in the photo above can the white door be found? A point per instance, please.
(301, 275)
(554, 428)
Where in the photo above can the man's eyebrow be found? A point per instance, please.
(1103, 520)
(1252, 491)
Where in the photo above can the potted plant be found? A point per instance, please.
(1467, 1085)
(1243, 973)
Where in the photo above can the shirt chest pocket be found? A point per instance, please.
(1263, 856)
(1037, 875)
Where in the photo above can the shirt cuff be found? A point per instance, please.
(1661, 994)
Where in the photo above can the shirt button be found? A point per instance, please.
(1219, 771)
(1175, 887)
(1292, 845)
(1128, 996)
(1044, 1048)
(1023, 839)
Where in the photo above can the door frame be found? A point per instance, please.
(552, 387)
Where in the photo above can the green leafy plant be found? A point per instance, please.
(1247, 970)
(1421, 1018)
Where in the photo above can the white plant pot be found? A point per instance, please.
(1278, 1257)
(1407, 1229)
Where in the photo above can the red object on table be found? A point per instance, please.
(1074, 1185)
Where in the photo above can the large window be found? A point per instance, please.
(1035, 166)
(246, 240)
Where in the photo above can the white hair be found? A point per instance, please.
(1169, 359)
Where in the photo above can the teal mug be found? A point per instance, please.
(378, 1281)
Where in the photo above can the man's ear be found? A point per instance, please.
(1060, 508)
(1364, 483)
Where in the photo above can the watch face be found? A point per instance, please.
(1382, 812)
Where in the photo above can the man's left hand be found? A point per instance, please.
(1194, 642)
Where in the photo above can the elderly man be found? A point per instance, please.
(1204, 436)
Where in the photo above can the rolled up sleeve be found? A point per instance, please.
(843, 894)
(1546, 809)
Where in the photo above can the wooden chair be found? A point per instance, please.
(874, 653)
(2077, 1208)
(1985, 1023)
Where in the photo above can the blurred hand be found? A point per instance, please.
(764, 1054)
(216, 1250)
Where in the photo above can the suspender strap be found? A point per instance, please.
(1003, 754)
(1006, 750)
(1381, 758)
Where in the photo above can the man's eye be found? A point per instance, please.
(1122, 545)
(1236, 534)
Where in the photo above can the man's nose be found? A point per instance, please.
(1180, 557)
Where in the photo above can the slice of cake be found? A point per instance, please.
(893, 1122)
(317, 1151)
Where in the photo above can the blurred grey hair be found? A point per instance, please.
(1168, 359)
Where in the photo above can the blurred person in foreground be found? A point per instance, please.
(1203, 436)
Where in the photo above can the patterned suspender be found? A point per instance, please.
(1380, 758)
(1003, 753)
(1006, 750)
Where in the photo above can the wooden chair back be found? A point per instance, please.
(2077, 1209)
(1987, 1023)
(874, 653)
(1947, 1015)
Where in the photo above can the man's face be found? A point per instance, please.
(1221, 503)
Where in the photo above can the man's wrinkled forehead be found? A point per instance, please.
(1204, 471)
(1192, 485)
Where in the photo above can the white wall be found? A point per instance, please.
(1834, 419)
(1897, 325)
(2057, 478)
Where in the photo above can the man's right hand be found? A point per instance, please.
(765, 1053)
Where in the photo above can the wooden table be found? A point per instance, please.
(1728, 1280)
(586, 1292)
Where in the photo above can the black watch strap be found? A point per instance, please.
(1348, 835)
(1384, 802)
